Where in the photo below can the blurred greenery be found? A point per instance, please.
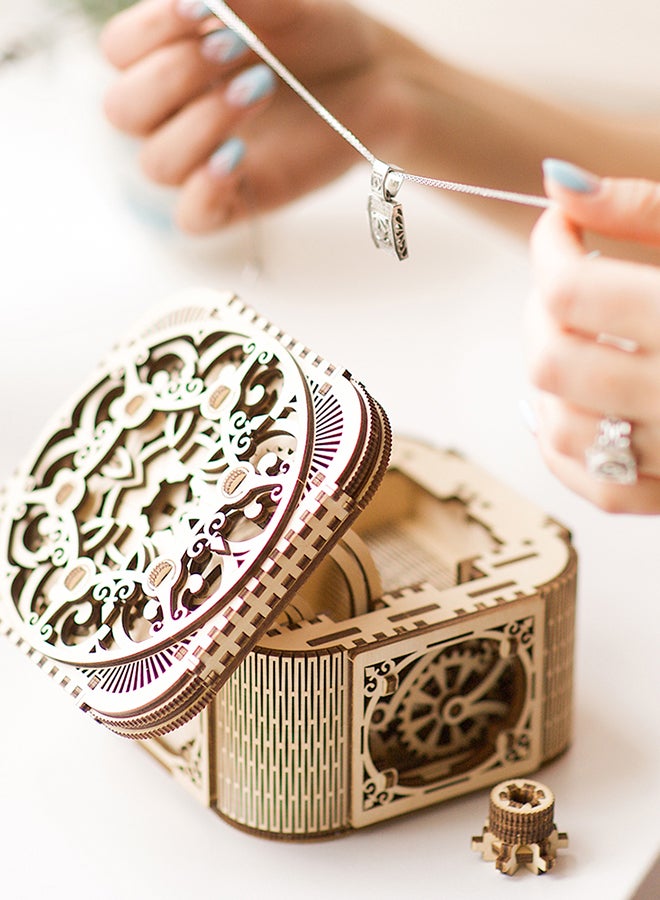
(98, 10)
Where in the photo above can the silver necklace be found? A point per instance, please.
(385, 215)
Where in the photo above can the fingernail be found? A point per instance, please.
(570, 177)
(222, 46)
(227, 157)
(528, 415)
(192, 9)
(252, 85)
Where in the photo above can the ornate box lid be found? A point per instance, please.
(175, 504)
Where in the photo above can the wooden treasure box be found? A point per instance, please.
(209, 551)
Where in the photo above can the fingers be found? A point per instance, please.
(188, 139)
(266, 173)
(158, 86)
(622, 208)
(642, 498)
(593, 296)
(139, 30)
(569, 431)
(594, 332)
(591, 375)
(579, 299)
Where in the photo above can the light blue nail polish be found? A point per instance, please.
(570, 177)
(192, 9)
(222, 46)
(227, 157)
(252, 85)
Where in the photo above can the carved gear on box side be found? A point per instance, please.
(450, 705)
(475, 618)
(450, 710)
(520, 828)
(165, 518)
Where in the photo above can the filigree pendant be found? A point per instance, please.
(385, 216)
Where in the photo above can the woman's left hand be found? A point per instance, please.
(214, 122)
(580, 303)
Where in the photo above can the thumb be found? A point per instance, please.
(623, 208)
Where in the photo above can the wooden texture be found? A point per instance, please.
(190, 553)
(459, 673)
(520, 828)
(175, 504)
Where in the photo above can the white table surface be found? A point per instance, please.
(85, 249)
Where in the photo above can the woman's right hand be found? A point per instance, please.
(218, 125)
(594, 333)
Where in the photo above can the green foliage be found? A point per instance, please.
(98, 10)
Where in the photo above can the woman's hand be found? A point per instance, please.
(214, 119)
(580, 303)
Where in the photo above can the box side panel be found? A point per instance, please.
(447, 711)
(282, 745)
(559, 597)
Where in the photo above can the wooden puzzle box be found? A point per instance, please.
(217, 550)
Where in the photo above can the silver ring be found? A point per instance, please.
(610, 457)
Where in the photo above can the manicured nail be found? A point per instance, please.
(570, 177)
(222, 46)
(192, 9)
(227, 157)
(252, 85)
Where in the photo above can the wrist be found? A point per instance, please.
(401, 78)
(416, 103)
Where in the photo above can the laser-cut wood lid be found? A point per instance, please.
(175, 504)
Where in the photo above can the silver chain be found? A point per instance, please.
(475, 191)
(220, 9)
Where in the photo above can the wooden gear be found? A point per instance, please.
(177, 554)
(520, 828)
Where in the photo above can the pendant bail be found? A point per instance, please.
(385, 216)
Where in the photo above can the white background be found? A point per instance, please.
(86, 249)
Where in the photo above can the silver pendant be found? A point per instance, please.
(385, 216)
